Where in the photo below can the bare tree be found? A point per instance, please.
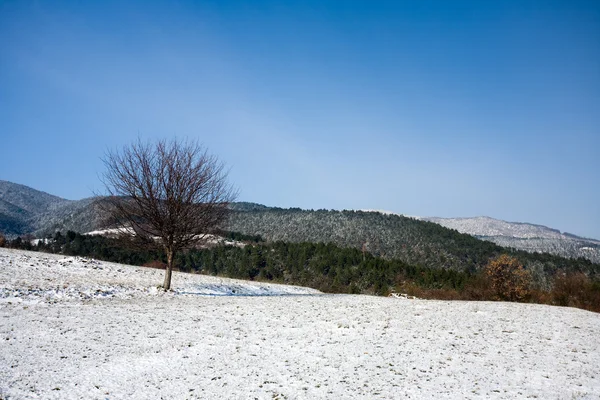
(166, 195)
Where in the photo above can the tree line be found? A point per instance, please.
(413, 241)
(334, 269)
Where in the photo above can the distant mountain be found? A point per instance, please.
(417, 242)
(486, 226)
(79, 216)
(523, 236)
(389, 235)
(13, 219)
(26, 198)
(24, 210)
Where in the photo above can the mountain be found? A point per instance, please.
(79, 216)
(24, 210)
(523, 236)
(417, 242)
(13, 219)
(26, 198)
(20, 204)
(490, 227)
(389, 235)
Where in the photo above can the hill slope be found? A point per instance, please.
(24, 210)
(391, 236)
(523, 236)
(129, 339)
(388, 236)
(26, 198)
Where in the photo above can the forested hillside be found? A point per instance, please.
(25, 211)
(523, 236)
(415, 242)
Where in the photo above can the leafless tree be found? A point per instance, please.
(166, 195)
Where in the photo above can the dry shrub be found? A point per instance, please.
(156, 264)
(508, 279)
(412, 289)
(478, 288)
(576, 290)
(442, 294)
(539, 296)
(2, 240)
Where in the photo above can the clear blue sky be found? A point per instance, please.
(431, 108)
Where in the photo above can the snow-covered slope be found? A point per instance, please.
(40, 277)
(523, 236)
(82, 329)
(486, 226)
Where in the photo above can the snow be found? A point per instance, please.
(207, 240)
(111, 232)
(490, 227)
(73, 328)
(36, 277)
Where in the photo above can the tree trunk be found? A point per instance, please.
(167, 284)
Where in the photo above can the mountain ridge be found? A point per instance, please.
(42, 214)
(489, 226)
(27, 198)
(524, 236)
(24, 210)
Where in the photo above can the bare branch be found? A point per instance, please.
(170, 193)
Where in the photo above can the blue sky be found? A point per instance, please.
(430, 108)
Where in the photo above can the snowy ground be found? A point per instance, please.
(79, 329)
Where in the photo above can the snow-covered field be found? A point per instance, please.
(80, 329)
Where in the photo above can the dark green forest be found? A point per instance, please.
(393, 237)
(326, 267)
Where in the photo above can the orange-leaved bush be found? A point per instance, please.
(508, 279)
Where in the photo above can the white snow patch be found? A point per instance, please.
(111, 232)
(208, 240)
(133, 341)
(31, 276)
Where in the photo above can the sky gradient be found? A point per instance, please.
(429, 108)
